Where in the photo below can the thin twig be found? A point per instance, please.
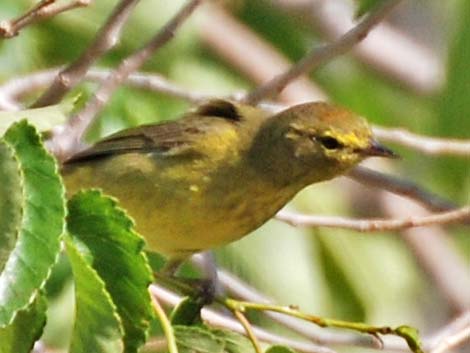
(106, 39)
(452, 335)
(240, 289)
(453, 341)
(44, 9)
(64, 142)
(406, 332)
(215, 318)
(428, 145)
(417, 67)
(400, 187)
(321, 55)
(430, 246)
(231, 40)
(374, 225)
(13, 89)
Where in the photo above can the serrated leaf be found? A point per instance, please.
(187, 312)
(26, 328)
(234, 342)
(10, 202)
(42, 118)
(40, 227)
(97, 327)
(367, 5)
(197, 339)
(116, 253)
(280, 349)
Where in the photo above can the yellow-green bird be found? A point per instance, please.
(220, 171)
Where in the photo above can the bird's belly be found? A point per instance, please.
(188, 224)
(178, 217)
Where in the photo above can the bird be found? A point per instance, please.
(220, 171)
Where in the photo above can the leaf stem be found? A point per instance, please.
(166, 325)
(249, 330)
(408, 333)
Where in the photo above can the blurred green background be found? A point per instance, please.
(343, 274)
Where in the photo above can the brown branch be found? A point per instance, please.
(374, 225)
(15, 88)
(428, 145)
(64, 142)
(452, 335)
(417, 67)
(231, 40)
(42, 10)
(400, 187)
(453, 341)
(322, 55)
(106, 38)
(435, 253)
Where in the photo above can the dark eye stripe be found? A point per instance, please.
(329, 142)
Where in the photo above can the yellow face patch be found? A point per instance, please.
(351, 142)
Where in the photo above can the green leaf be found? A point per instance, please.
(42, 118)
(187, 312)
(367, 5)
(203, 339)
(234, 342)
(26, 328)
(41, 225)
(10, 202)
(411, 335)
(115, 251)
(97, 327)
(280, 349)
(197, 339)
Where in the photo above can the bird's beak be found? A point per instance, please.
(375, 149)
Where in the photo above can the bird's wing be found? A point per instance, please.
(189, 135)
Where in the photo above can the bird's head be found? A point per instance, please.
(318, 141)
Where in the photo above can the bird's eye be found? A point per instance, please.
(329, 142)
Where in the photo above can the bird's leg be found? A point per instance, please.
(204, 289)
(209, 284)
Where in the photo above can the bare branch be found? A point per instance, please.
(452, 335)
(417, 67)
(321, 55)
(453, 341)
(8, 104)
(42, 10)
(64, 142)
(400, 187)
(374, 225)
(106, 38)
(15, 88)
(231, 39)
(428, 145)
(430, 246)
